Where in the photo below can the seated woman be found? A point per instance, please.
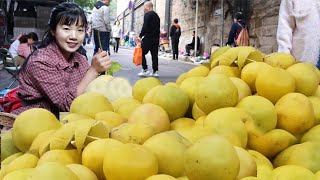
(58, 71)
(32, 38)
(24, 49)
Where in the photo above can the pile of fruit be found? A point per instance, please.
(244, 116)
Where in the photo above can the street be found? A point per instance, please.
(169, 69)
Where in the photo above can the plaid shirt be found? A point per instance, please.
(51, 81)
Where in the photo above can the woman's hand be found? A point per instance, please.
(101, 61)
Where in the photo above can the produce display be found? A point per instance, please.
(243, 116)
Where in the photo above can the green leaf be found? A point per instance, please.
(115, 67)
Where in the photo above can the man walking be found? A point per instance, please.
(175, 33)
(101, 26)
(150, 34)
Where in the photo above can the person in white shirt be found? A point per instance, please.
(299, 29)
(116, 34)
(32, 38)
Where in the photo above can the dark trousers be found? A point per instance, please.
(116, 46)
(188, 48)
(151, 46)
(175, 48)
(104, 39)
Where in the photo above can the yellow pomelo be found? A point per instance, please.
(248, 166)
(216, 91)
(29, 124)
(153, 115)
(61, 156)
(169, 148)
(40, 139)
(317, 175)
(116, 88)
(181, 78)
(280, 60)
(200, 121)
(99, 84)
(292, 172)
(264, 166)
(243, 89)
(315, 100)
(161, 177)
(227, 58)
(89, 104)
(8, 147)
(9, 159)
(126, 109)
(195, 133)
(189, 86)
(199, 71)
(61, 137)
(214, 152)
(94, 152)
(216, 54)
(142, 86)
(225, 70)
(229, 123)
(250, 72)
(183, 178)
(129, 161)
(263, 113)
(73, 117)
(291, 116)
(19, 174)
(197, 112)
(110, 119)
(137, 132)
(306, 78)
(312, 134)
(305, 155)
(82, 172)
(173, 100)
(249, 178)
(122, 101)
(182, 123)
(52, 171)
(273, 83)
(317, 93)
(272, 142)
(84, 127)
(172, 84)
(22, 162)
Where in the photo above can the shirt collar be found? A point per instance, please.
(62, 63)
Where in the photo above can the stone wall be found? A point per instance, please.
(262, 22)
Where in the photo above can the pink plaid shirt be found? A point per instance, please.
(50, 80)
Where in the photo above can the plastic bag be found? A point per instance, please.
(137, 56)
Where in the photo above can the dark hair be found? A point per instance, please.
(238, 16)
(66, 13)
(176, 20)
(33, 36)
(115, 22)
(23, 39)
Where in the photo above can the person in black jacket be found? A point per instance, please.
(150, 34)
(175, 33)
(192, 44)
(236, 27)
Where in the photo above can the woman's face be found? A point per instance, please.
(69, 38)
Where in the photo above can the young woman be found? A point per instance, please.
(116, 34)
(55, 74)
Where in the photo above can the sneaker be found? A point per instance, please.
(144, 72)
(154, 74)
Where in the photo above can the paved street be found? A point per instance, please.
(169, 70)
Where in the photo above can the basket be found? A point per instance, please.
(6, 120)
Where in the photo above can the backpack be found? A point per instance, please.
(243, 37)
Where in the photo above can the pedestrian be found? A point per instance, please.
(175, 33)
(116, 34)
(57, 72)
(238, 24)
(32, 38)
(191, 46)
(101, 25)
(150, 34)
(299, 30)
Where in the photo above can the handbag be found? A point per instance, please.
(137, 56)
(10, 101)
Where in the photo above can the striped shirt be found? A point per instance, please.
(49, 81)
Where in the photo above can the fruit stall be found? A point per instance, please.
(245, 115)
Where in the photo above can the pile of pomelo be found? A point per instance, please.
(245, 116)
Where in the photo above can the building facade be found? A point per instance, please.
(215, 18)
